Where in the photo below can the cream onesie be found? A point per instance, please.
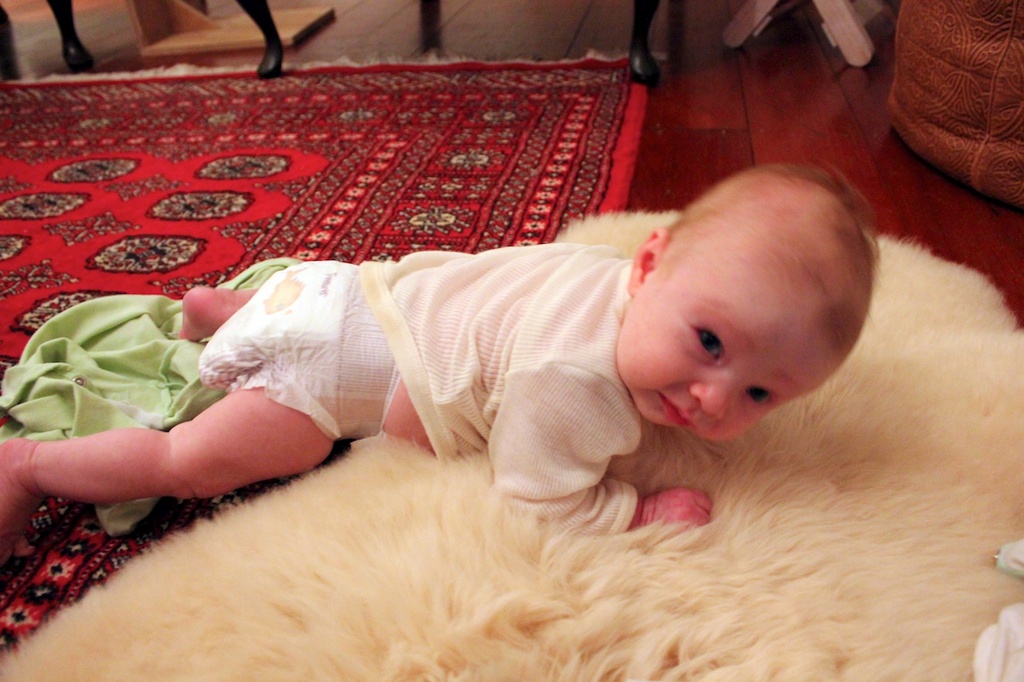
(512, 352)
(509, 352)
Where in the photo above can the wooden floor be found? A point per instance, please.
(785, 96)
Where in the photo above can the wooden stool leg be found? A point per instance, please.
(273, 55)
(846, 31)
(642, 65)
(75, 55)
(843, 27)
(748, 21)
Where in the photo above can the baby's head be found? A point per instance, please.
(754, 297)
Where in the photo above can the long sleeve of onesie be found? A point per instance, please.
(550, 453)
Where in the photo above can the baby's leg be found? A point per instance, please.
(205, 309)
(243, 438)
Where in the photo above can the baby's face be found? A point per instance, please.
(713, 341)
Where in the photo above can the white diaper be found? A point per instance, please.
(309, 340)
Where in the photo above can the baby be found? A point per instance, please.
(547, 357)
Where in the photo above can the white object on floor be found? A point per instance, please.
(999, 654)
(842, 24)
(1010, 559)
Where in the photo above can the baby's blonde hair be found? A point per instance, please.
(850, 224)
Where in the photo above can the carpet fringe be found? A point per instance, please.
(430, 58)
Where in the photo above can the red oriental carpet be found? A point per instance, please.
(156, 185)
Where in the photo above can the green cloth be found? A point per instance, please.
(108, 363)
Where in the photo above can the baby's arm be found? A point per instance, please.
(676, 505)
(551, 443)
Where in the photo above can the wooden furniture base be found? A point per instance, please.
(172, 27)
(842, 25)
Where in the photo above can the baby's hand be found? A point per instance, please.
(676, 505)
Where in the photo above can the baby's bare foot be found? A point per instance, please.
(204, 310)
(196, 312)
(17, 502)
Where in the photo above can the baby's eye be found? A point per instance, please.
(710, 342)
(758, 394)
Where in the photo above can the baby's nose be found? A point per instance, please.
(713, 399)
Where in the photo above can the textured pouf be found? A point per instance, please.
(957, 97)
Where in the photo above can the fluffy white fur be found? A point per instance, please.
(852, 539)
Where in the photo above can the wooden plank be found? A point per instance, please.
(373, 29)
(954, 221)
(679, 163)
(171, 27)
(799, 114)
(695, 129)
(157, 20)
(510, 29)
(606, 27)
(705, 82)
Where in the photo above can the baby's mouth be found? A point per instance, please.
(673, 414)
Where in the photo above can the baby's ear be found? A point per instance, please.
(647, 257)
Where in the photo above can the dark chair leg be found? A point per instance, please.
(75, 55)
(642, 65)
(273, 55)
(8, 64)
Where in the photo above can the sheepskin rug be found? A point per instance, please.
(852, 539)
